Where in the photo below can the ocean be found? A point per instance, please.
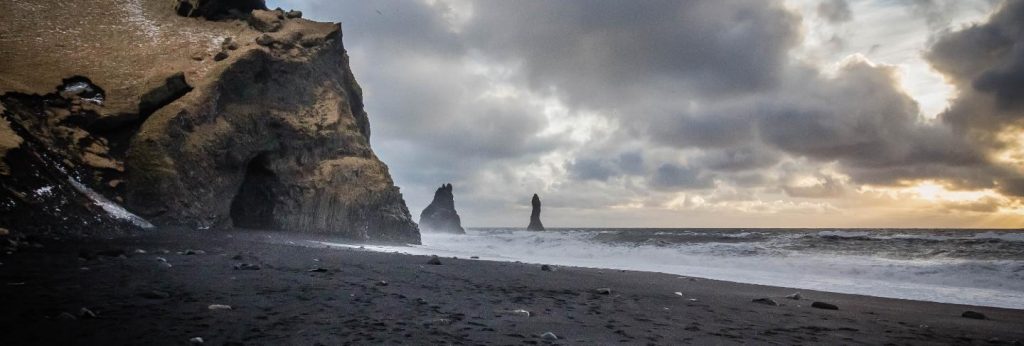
(974, 267)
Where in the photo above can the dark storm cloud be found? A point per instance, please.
(984, 61)
(604, 167)
(835, 11)
(674, 177)
(711, 80)
(602, 53)
(739, 159)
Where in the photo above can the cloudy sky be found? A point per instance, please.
(875, 113)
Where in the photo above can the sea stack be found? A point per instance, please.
(440, 216)
(535, 224)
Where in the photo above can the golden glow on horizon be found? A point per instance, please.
(931, 190)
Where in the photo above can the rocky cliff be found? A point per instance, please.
(535, 224)
(198, 113)
(440, 215)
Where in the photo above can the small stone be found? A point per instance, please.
(194, 252)
(221, 55)
(439, 322)
(165, 265)
(247, 266)
(317, 270)
(549, 336)
(196, 340)
(4, 232)
(229, 44)
(546, 268)
(794, 296)
(679, 294)
(973, 315)
(765, 301)
(86, 313)
(605, 291)
(237, 257)
(265, 21)
(66, 316)
(293, 14)
(198, 56)
(521, 312)
(219, 307)
(434, 260)
(265, 40)
(382, 283)
(161, 259)
(155, 295)
(823, 305)
(139, 251)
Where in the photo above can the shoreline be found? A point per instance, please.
(372, 297)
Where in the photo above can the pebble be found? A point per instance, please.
(161, 259)
(86, 313)
(823, 305)
(604, 290)
(264, 40)
(679, 294)
(140, 251)
(219, 307)
(549, 336)
(155, 295)
(4, 231)
(221, 55)
(546, 268)
(247, 266)
(382, 283)
(765, 301)
(973, 315)
(434, 260)
(317, 270)
(794, 296)
(67, 316)
(521, 312)
(196, 340)
(194, 252)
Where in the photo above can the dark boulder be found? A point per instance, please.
(973, 315)
(440, 215)
(823, 305)
(535, 224)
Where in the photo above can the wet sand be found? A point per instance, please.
(362, 297)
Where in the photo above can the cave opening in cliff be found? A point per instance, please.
(253, 205)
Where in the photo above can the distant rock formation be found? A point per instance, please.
(440, 215)
(197, 113)
(535, 224)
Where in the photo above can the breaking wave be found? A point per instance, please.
(952, 266)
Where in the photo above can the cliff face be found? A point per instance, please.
(205, 114)
(440, 215)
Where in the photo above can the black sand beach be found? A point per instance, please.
(362, 297)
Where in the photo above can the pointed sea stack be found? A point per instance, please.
(440, 216)
(535, 224)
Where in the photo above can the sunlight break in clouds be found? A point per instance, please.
(698, 113)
